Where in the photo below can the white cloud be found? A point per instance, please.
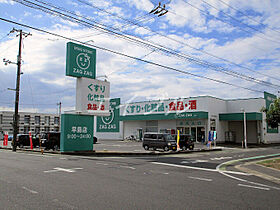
(145, 5)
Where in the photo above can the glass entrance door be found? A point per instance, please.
(201, 134)
(193, 133)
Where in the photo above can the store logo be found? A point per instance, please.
(83, 61)
(109, 119)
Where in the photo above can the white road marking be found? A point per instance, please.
(239, 179)
(31, 191)
(104, 164)
(199, 168)
(255, 187)
(182, 166)
(63, 170)
(128, 167)
(221, 158)
(194, 161)
(202, 179)
(237, 173)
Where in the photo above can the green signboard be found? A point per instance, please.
(269, 99)
(76, 133)
(80, 61)
(110, 123)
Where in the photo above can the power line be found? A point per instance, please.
(180, 42)
(248, 26)
(142, 42)
(131, 57)
(239, 11)
(220, 19)
(189, 58)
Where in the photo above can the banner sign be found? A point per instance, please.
(80, 61)
(76, 133)
(167, 106)
(92, 96)
(110, 123)
(269, 100)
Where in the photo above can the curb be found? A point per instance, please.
(243, 168)
(118, 153)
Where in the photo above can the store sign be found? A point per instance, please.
(110, 123)
(190, 123)
(269, 100)
(92, 96)
(77, 133)
(169, 106)
(80, 61)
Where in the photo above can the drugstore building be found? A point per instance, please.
(196, 116)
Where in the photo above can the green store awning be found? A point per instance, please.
(169, 116)
(239, 116)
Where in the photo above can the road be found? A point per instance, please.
(179, 181)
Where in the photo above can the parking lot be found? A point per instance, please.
(117, 146)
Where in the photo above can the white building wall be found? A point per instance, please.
(130, 127)
(249, 105)
(215, 107)
(167, 124)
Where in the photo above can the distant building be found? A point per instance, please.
(34, 122)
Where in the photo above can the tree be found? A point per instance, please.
(273, 114)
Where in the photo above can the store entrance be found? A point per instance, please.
(201, 134)
(193, 133)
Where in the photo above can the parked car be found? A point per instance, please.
(94, 140)
(159, 141)
(185, 141)
(10, 138)
(24, 140)
(50, 140)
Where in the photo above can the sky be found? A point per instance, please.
(222, 48)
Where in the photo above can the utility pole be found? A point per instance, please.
(245, 132)
(18, 63)
(59, 108)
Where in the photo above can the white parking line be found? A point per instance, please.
(202, 179)
(128, 167)
(198, 168)
(182, 166)
(255, 187)
(31, 191)
(72, 170)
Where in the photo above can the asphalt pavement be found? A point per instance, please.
(134, 148)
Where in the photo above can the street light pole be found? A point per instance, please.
(245, 133)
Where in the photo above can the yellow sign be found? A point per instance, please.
(178, 139)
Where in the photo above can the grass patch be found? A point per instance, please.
(272, 163)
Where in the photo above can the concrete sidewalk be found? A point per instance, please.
(264, 172)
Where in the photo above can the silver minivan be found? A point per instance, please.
(159, 141)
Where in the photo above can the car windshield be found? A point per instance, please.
(169, 137)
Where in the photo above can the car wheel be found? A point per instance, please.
(146, 147)
(166, 148)
(184, 148)
(191, 147)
